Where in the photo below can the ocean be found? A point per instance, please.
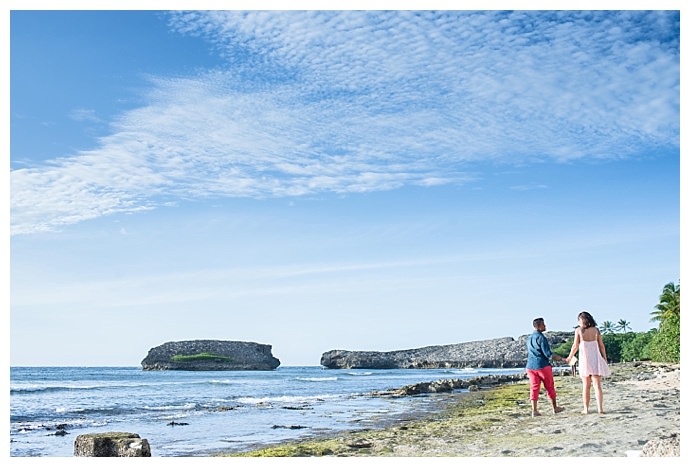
(224, 411)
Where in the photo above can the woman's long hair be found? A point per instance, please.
(588, 319)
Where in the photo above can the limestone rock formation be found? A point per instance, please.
(113, 444)
(504, 352)
(210, 355)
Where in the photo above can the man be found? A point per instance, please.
(539, 369)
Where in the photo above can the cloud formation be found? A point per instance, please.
(346, 102)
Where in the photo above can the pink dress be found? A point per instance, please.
(591, 361)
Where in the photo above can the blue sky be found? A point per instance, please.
(336, 179)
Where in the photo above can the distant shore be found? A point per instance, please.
(641, 404)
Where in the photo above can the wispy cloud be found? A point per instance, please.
(85, 115)
(528, 187)
(346, 102)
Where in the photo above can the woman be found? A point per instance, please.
(592, 359)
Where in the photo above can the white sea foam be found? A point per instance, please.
(284, 399)
(176, 416)
(221, 381)
(332, 378)
(163, 408)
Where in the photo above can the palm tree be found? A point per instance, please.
(669, 303)
(624, 325)
(607, 327)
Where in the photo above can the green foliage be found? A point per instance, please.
(608, 327)
(623, 325)
(563, 349)
(614, 345)
(201, 356)
(635, 346)
(629, 346)
(669, 303)
(619, 347)
(665, 346)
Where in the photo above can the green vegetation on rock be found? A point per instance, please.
(201, 356)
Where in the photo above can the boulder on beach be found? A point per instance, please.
(666, 446)
(112, 444)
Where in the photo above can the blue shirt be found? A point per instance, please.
(538, 351)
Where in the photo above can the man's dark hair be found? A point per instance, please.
(537, 322)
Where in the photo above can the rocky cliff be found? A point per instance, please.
(210, 355)
(505, 352)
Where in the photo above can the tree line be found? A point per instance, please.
(660, 344)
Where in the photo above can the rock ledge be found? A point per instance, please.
(504, 352)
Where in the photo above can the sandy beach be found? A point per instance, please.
(642, 417)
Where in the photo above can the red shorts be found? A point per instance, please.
(536, 378)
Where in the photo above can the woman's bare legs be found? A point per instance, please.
(586, 385)
(598, 393)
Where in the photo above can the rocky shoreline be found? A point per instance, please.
(642, 418)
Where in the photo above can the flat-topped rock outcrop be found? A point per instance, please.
(504, 352)
(210, 355)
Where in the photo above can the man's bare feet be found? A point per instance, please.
(584, 412)
(535, 414)
(558, 410)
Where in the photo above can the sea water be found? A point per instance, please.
(195, 413)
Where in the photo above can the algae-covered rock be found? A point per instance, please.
(112, 444)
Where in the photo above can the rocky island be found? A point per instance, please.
(504, 352)
(210, 355)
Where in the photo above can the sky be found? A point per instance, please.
(334, 179)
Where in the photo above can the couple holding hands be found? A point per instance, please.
(591, 358)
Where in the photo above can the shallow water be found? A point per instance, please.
(215, 411)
